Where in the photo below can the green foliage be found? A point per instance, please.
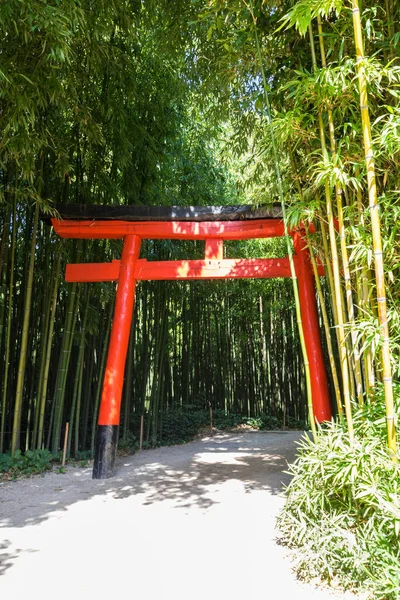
(342, 509)
(129, 442)
(33, 461)
(180, 426)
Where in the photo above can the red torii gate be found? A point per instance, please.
(212, 224)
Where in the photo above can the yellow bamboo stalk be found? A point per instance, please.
(364, 303)
(320, 296)
(329, 273)
(336, 274)
(343, 246)
(376, 229)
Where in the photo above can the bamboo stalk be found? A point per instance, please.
(48, 355)
(100, 378)
(3, 269)
(336, 271)
(327, 329)
(65, 444)
(342, 239)
(321, 298)
(365, 303)
(9, 321)
(141, 432)
(288, 242)
(24, 340)
(63, 364)
(376, 230)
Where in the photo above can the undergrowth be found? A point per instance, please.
(181, 426)
(342, 510)
(29, 463)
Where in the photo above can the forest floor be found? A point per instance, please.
(195, 521)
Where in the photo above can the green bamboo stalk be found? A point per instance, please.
(287, 237)
(63, 365)
(329, 274)
(321, 298)
(376, 230)
(9, 321)
(336, 272)
(365, 303)
(45, 324)
(24, 339)
(43, 393)
(342, 238)
(77, 390)
(3, 271)
(128, 380)
(100, 379)
(327, 328)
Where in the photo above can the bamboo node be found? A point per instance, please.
(387, 379)
(381, 299)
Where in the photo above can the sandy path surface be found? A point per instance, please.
(186, 522)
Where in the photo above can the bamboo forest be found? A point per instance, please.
(287, 106)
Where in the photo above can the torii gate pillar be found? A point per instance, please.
(110, 407)
(311, 329)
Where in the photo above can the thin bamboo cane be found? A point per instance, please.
(376, 229)
(327, 328)
(336, 271)
(24, 340)
(287, 238)
(100, 378)
(329, 274)
(9, 320)
(321, 300)
(365, 303)
(74, 418)
(46, 310)
(48, 355)
(63, 364)
(342, 238)
(3, 270)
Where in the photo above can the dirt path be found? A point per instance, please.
(187, 522)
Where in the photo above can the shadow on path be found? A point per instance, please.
(185, 476)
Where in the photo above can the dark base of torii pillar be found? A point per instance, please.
(110, 407)
(105, 451)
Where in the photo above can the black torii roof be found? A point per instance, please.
(105, 212)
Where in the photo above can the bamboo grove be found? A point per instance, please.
(164, 103)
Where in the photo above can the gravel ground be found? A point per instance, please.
(186, 522)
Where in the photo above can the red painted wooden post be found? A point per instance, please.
(108, 423)
(214, 249)
(312, 335)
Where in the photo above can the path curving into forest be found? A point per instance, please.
(185, 522)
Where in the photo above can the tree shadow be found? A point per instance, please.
(185, 476)
(7, 559)
(211, 466)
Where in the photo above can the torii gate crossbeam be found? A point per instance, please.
(212, 224)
